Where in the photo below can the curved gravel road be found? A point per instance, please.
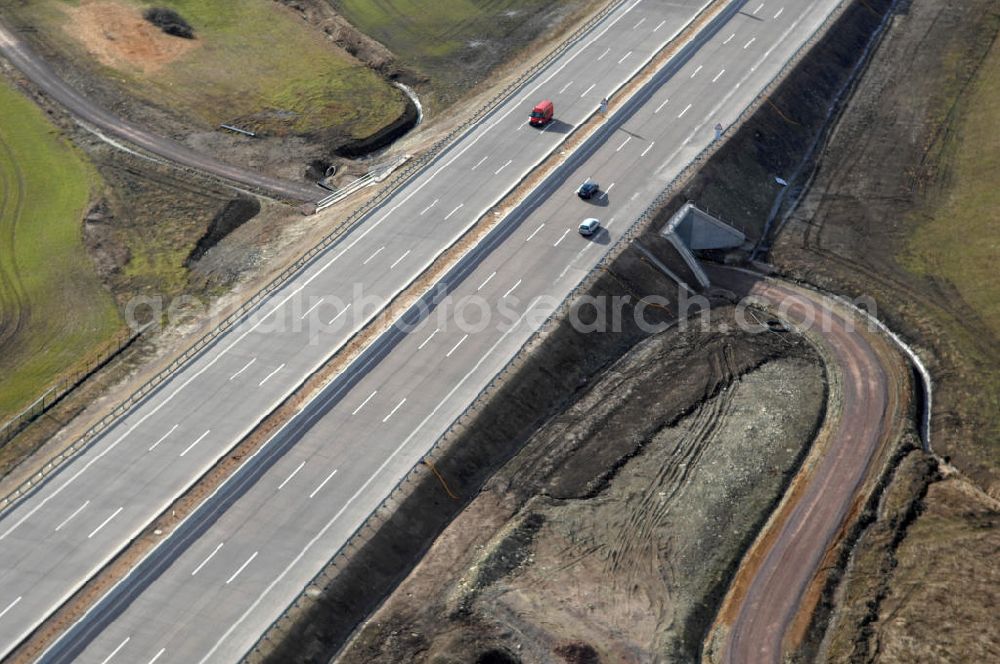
(41, 75)
(758, 625)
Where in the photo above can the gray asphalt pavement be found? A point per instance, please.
(208, 595)
(59, 535)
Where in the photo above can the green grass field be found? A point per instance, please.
(55, 313)
(254, 61)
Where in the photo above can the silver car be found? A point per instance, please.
(589, 227)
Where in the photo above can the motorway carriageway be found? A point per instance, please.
(214, 594)
(61, 534)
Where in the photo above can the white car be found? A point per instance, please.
(589, 227)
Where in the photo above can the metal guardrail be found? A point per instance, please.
(322, 578)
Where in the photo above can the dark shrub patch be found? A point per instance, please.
(169, 21)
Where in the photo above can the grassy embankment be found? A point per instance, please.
(54, 313)
(252, 60)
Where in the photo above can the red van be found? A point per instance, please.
(542, 113)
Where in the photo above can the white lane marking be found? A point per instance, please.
(761, 6)
(245, 367)
(718, 76)
(405, 254)
(268, 377)
(455, 347)
(312, 308)
(624, 143)
(648, 149)
(200, 438)
(779, 12)
(747, 45)
(340, 313)
(658, 108)
(377, 252)
(588, 89)
(393, 411)
(686, 109)
(242, 567)
(534, 232)
(729, 38)
(460, 206)
(486, 281)
(610, 221)
(565, 232)
(105, 522)
(173, 428)
(511, 290)
(70, 517)
(157, 656)
(480, 162)
(205, 561)
(624, 56)
(305, 282)
(601, 56)
(608, 190)
(10, 606)
(695, 72)
(641, 21)
(364, 487)
(497, 171)
(427, 340)
(289, 478)
(660, 25)
(358, 409)
(323, 483)
(565, 87)
(424, 211)
(115, 651)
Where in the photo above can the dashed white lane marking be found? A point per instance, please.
(455, 347)
(486, 281)
(534, 232)
(205, 561)
(115, 651)
(393, 411)
(358, 409)
(10, 606)
(312, 308)
(105, 522)
(729, 38)
(377, 252)
(245, 367)
(695, 72)
(268, 376)
(157, 656)
(624, 57)
(601, 56)
(747, 45)
(624, 143)
(328, 477)
(340, 313)
(565, 87)
(650, 147)
(293, 474)
(660, 25)
(511, 290)
(242, 567)
(480, 162)
(427, 340)
(497, 171)
(588, 89)
(173, 428)
(660, 107)
(70, 517)
(198, 440)
(565, 232)
(779, 12)
(641, 21)
(459, 207)
(424, 211)
(759, 7)
(718, 76)
(686, 109)
(405, 254)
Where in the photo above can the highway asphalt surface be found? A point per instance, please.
(773, 597)
(58, 536)
(209, 590)
(36, 70)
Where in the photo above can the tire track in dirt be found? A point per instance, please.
(13, 299)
